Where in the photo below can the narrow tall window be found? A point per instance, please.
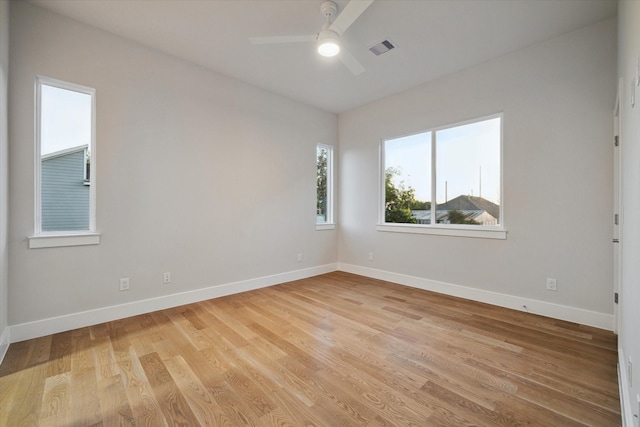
(65, 158)
(324, 184)
(449, 176)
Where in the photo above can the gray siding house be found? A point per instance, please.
(473, 208)
(65, 190)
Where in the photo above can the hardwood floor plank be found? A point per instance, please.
(144, 405)
(56, 401)
(40, 352)
(204, 407)
(8, 385)
(277, 418)
(173, 404)
(220, 327)
(292, 350)
(16, 359)
(211, 367)
(331, 350)
(603, 396)
(340, 402)
(193, 318)
(85, 406)
(296, 411)
(28, 392)
(60, 354)
(115, 407)
(233, 405)
(195, 336)
(557, 401)
(502, 416)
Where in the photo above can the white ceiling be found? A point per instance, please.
(433, 38)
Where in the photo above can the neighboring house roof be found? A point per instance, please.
(65, 152)
(472, 208)
(471, 203)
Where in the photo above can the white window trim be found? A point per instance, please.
(44, 239)
(485, 232)
(443, 230)
(329, 224)
(325, 226)
(51, 240)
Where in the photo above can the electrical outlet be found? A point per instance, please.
(300, 257)
(552, 284)
(166, 278)
(124, 284)
(370, 256)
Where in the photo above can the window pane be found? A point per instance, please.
(65, 149)
(468, 174)
(65, 120)
(407, 172)
(323, 157)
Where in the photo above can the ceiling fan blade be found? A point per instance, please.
(351, 62)
(349, 14)
(282, 39)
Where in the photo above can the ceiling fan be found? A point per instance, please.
(328, 39)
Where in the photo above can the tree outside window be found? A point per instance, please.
(324, 172)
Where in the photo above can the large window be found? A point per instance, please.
(324, 186)
(65, 163)
(445, 178)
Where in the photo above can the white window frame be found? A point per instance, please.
(47, 239)
(329, 224)
(478, 231)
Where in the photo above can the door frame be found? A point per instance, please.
(618, 217)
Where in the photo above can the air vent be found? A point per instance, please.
(382, 47)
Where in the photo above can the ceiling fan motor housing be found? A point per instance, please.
(328, 8)
(328, 43)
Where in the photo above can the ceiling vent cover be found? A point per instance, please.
(383, 47)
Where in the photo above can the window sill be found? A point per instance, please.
(325, 226)
(491, 233)
(61, 240)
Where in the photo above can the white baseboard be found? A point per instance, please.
(626, 409)
(39, 328)
(556, 311)
(5, 340)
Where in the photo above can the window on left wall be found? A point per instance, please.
(64, 165)
(324, 187)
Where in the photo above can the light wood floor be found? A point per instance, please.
(333, 350)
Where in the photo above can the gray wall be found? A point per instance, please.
(557, 98)
(198, 174)
(65, 197)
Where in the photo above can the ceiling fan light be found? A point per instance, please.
(328, 48)
(328, 43)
